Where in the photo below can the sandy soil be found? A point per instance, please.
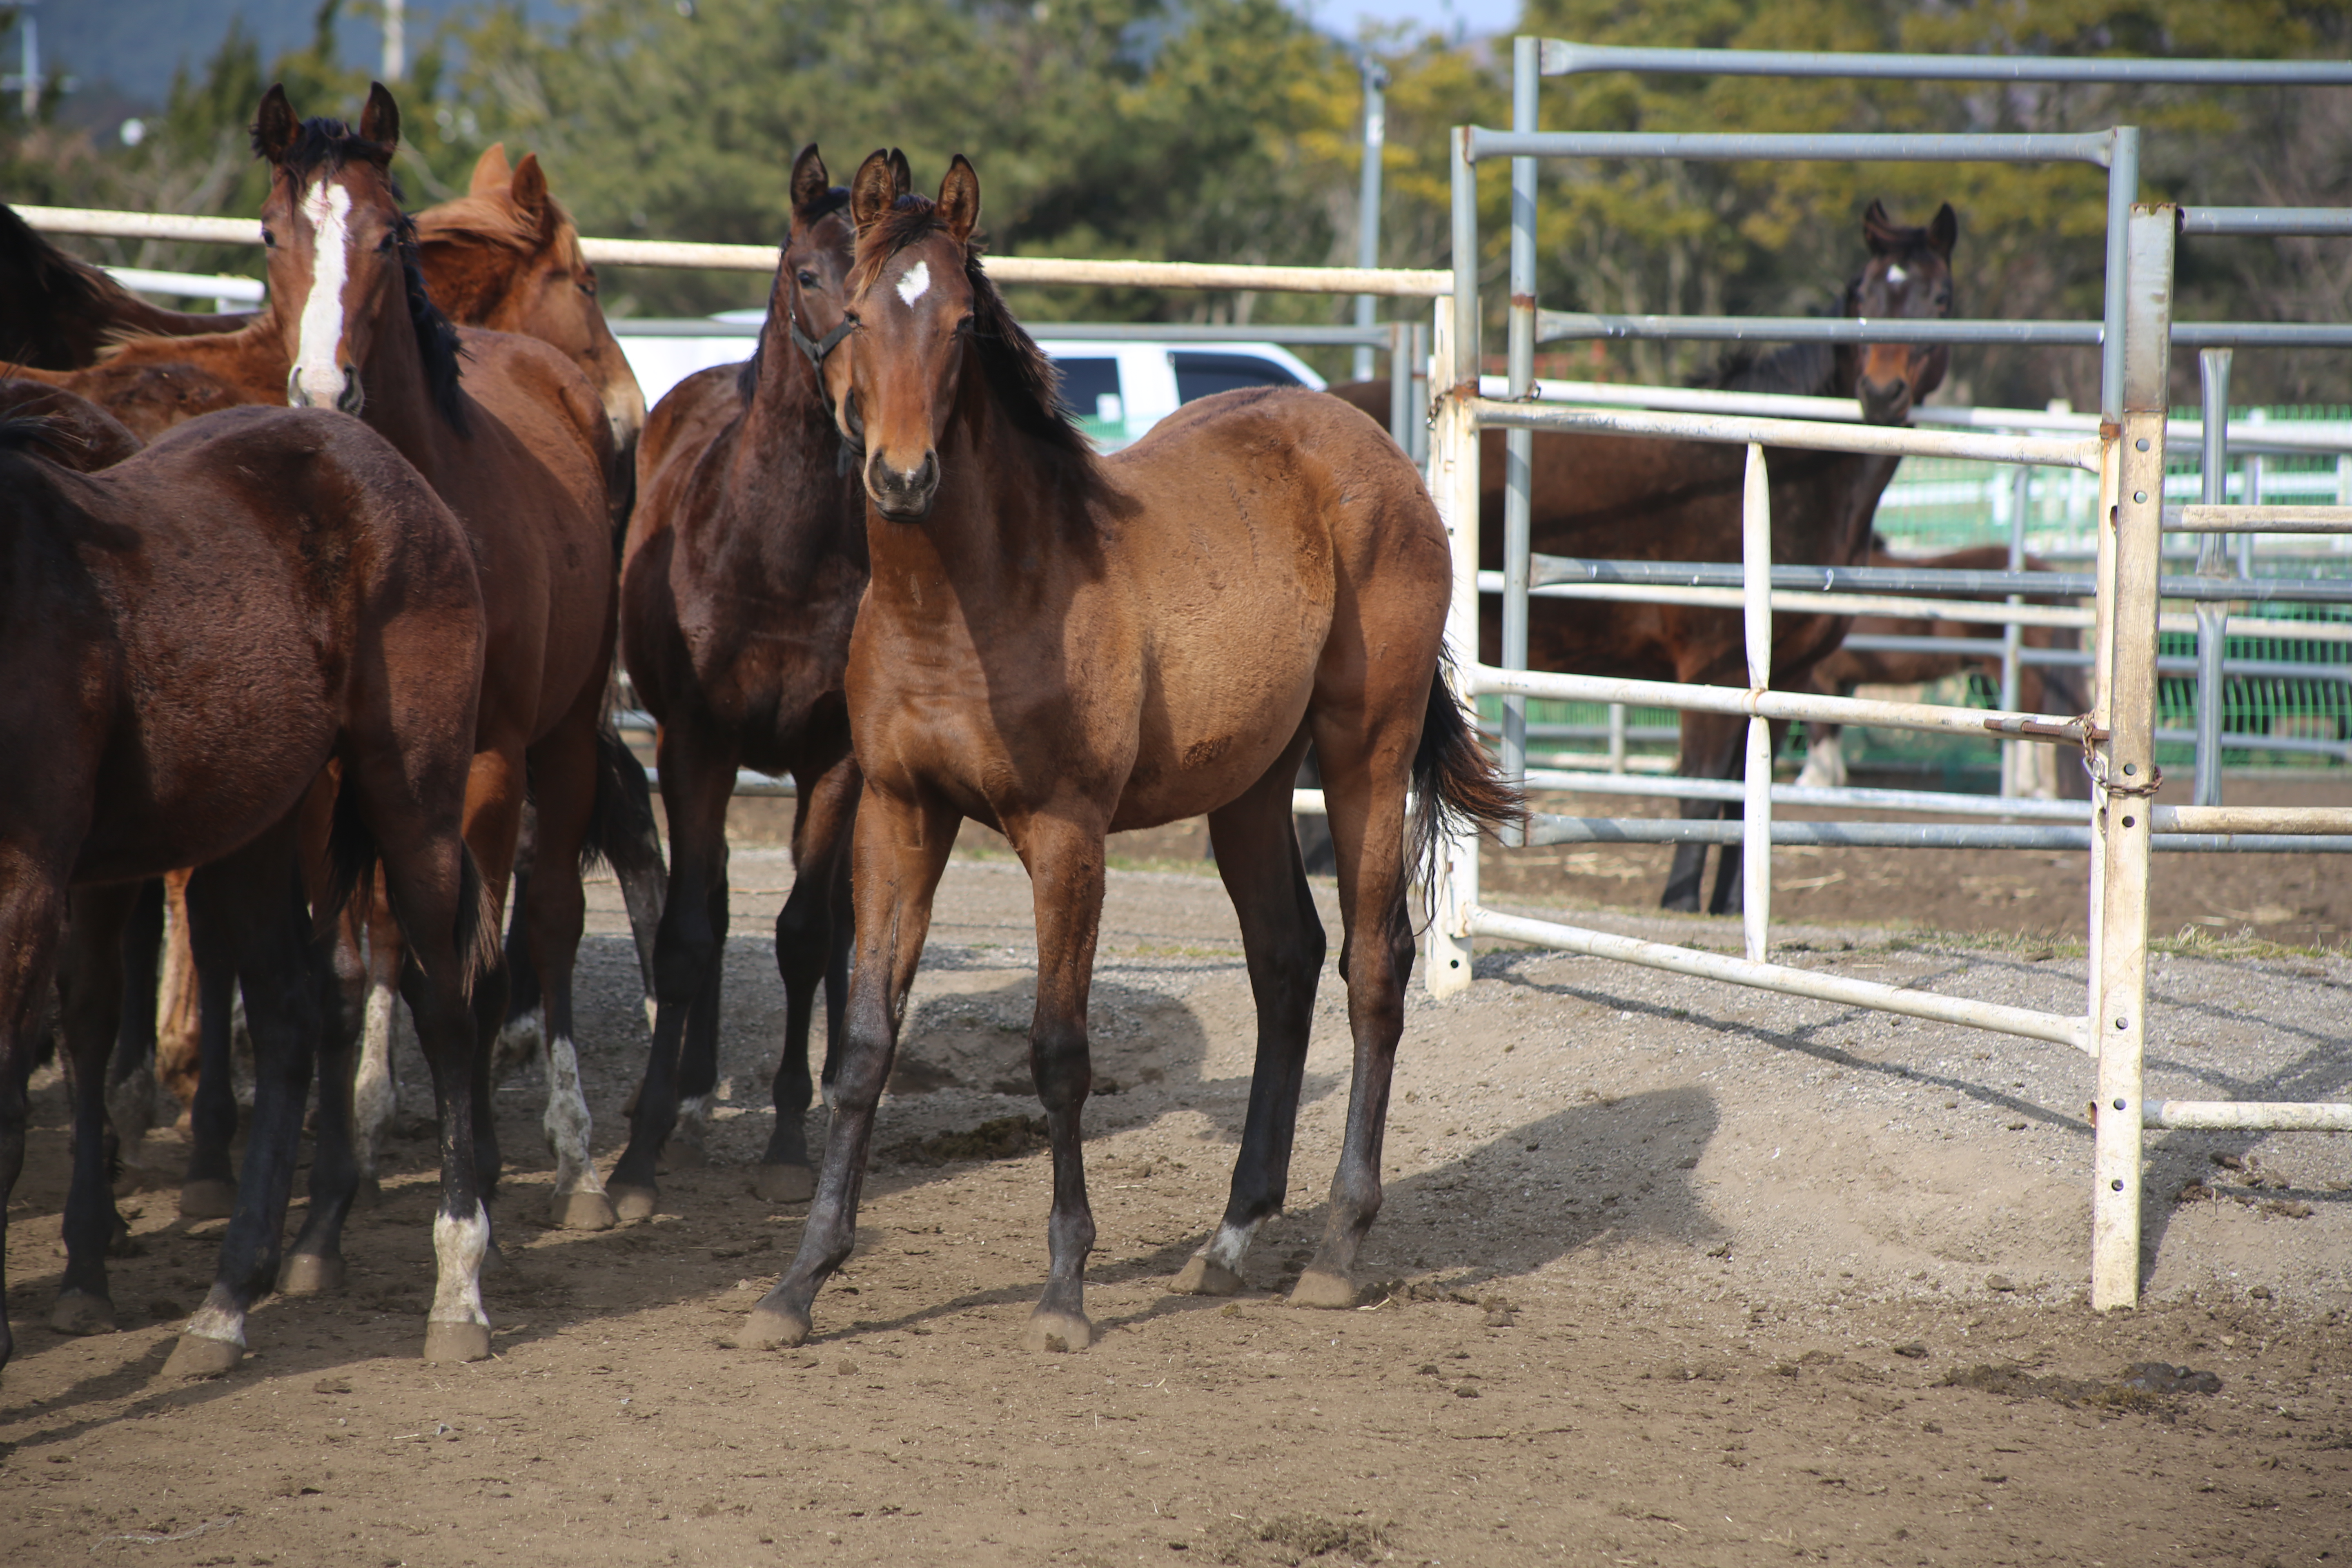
(1669, 1273)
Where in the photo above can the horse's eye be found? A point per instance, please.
(807, 280)
(587, 283)
(270, 239)
(384, 244)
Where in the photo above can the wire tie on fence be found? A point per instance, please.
(2106, 786)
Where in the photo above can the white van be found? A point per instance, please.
(1117, 390)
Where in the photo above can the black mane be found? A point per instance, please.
(325, 146)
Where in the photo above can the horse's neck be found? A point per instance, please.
(1807, 370)
(786, 461)
(1000, 516)
(398, 403)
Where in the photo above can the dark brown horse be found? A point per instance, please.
(2041, 689)
(188, 639)
(60, 313)
(746, 560)
(520, 450)
(1061, 646)
(1629, 497)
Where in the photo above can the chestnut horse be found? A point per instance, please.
(746, 560)
(188, 639)
(2041, 688)
(1631, 498)
(1061, 647)
(519, 449)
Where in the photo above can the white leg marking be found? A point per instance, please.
(217, 1323)
(915, 283)
(318, 376)
(460, 1244)
(1231, 1244)
(1824, 762)
(375, 1093)
(566, 1122)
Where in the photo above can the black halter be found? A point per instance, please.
(815, 348)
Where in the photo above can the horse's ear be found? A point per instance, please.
(275, 125)
(959, 208)
(871, 190)
(810, 181)
(1879, 232)
(1943, 229)
(492, 174)
(901, 173)
(380, 121)
(528, 191)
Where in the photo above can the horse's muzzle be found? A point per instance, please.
(902, 496)
(1884, 401)
(348, 399)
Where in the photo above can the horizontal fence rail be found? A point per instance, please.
(1560, 56)
(1884, 440)
(1925, 580)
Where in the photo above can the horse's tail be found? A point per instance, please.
(1454, 780)
(477, 920)
(351, 860)
(621, 832)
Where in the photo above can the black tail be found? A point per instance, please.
(351, 864)
(477, 920)
(621, 832)
(1454, 780)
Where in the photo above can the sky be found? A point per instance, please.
(1466, 18)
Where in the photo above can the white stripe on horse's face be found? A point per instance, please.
(1896, 274)
(318, 376)
(915, 283)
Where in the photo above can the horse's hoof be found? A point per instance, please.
(784, 1183)
(79, 1312)
(369, 1194)
(196, 1355)
(1205, 1277)
(632, 1204)
(457, 1341)
(310, 1274)
(207, 1199)
(1321, 1288)
(772, 1326)
(583, 1211)
(1058, 1332)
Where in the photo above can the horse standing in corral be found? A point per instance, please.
(519, 449)
(1634, 497)
(284, 578)
(746, 561)
(1062, 645)
(2041, 689)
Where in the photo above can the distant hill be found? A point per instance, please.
(132, 47)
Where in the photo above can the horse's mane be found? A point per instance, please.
(1017, 370)
(834, 198)
(492, 220)
(324, 146)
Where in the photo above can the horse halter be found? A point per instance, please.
(815, 349)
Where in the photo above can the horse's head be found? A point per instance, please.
(507, 256)
(911, 314)
(335, 235)
(1908, 277)
(811, 300)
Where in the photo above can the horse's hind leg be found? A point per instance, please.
(1710, 750)
(257, 900)
(1729, 887)
(1364, 781)
(1258, 856)
(91, 985)
(375, 1083)
(809, 930)
(32, 912)
(209, 1189)
(901, 848)
(130, 1075)
(563, 771)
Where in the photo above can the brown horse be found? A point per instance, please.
(745, 562)
(60, 313)
(2041, 689)
(1629, 498)
(188, 639)
(520, 450)
(1062, 645)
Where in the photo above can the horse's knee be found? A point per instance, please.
(1060, 1063)
(683, 951)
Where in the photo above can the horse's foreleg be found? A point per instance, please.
(631, 843)
(1364, 788)
(209, 1189)
(375, 1085)
(1261, 860)
(32, 914)
(1824, 756)
(130, 1075)
(564, 768)
(697, 781)
(810, 930)
(522, 1029)
(901, 847)
(256, 898)
(90, 987)
(1710, 747)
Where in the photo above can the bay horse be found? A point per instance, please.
(2041, 688)
(1631, 498)
(188, 639)
(1062, 645)
(746, 560)
(519, 449)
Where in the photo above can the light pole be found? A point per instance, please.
(1368, 217)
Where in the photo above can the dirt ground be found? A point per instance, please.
(1669, 1273)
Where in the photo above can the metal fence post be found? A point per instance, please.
(1454, 484)
(1368, 201)
(2127, 780)
(1756, 845)
(2012, 753)
(1518, 446)
(1400, 412)
(1418, 364)
(2212, 560)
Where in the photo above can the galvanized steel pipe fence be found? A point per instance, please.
(2135, 337)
